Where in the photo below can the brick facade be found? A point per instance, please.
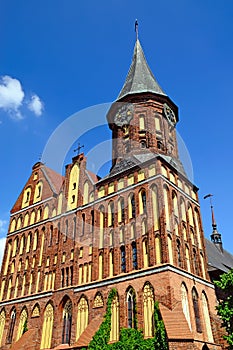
(61, 259)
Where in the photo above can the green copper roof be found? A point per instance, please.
(140, 78)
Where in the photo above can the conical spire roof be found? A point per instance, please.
(140, 78)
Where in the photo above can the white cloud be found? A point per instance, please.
(3, 226)
(36, 105)
(11, 96)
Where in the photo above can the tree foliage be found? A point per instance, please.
(225, 307)
(130, 338)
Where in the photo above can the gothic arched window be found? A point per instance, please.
(148, 308)
(134, 256)
(22, 323)
(67, 322)
(2, 324)
(123, 262)
(142, 202)
(47, 327)
(206, 315)
(196, 310)
(185, 304)
(11, 327)
(131, 308)
(82, 317)
(114, 334)
(179, 260)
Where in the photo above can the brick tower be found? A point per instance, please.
(72, 239)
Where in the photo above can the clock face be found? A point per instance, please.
(170, 115)
(124, 114)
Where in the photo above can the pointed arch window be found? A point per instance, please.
(82, 317)
(158, 249)
(83, 224)
(170, 250)
(101, 232)
(121, 210)
(111, 214)
(145, 253)
(123, 260)
(98, 301)
(111, 263)
(86, 192)
(175, 204)
(134, 256)
(15, 247)
(142, 202)
(11, 327)
(50, 235)
(183, 213)
(28, 246)
(196, 310)
(35, 240)
(206, 315)
(9, 249)
(178, 249)
(67, 322)
(155, 208)
(114, 333)
(195, 262)
(148, 308)
(185, 304)
(2, 324)
(131, 309)
(13, 225)
(166, 206)
(132, 209)
(187, 258)
(22, 323)
(47, 327)
(101, 266)
(26, 220)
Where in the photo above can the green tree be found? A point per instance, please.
(130, 338)
(225, 307)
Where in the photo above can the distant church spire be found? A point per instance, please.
(140, 78)
(216, 237)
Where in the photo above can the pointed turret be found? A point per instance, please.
(140, 78)
(216, 237)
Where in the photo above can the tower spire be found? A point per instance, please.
(140, 78)
(216, 237)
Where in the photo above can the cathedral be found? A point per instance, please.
(74, 238)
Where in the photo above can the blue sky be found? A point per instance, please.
(59, 57)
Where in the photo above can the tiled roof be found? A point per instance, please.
(175, 322)
(28, 341)
(218, 259)
(55, 180)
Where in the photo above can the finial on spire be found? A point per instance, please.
(216, 236)
(136, 28)
(212, 210)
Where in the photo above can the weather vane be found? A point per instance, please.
(211, 208)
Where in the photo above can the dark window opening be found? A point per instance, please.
(196, 311)
(133, 207)
(12, 326)
(123, 262)
(135, 261)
